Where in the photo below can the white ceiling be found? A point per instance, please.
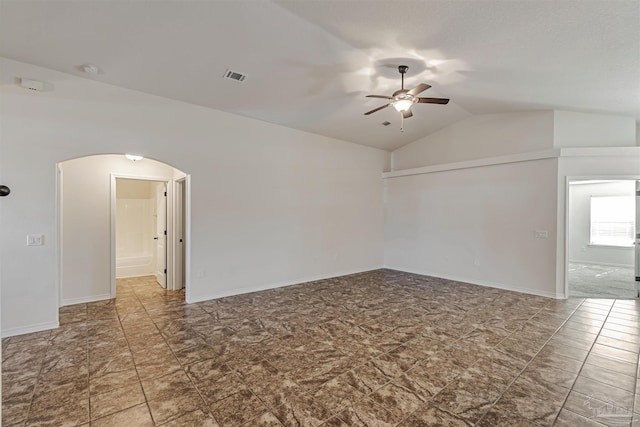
(311, 63)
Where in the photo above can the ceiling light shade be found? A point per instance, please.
(402, 104)
(134, 157)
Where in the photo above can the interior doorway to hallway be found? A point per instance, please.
(141, 229)
(94, 248)
(603, 222)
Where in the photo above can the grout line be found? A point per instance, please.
(584, 361)
(35, 386)
(635, 386)
(530, 361)
(477, 361)
(174, 355)
(131, 351)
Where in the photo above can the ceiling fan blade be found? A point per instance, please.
(433, 100)
(379, 96)
(407, 114)
(376, 109)
(418, 89)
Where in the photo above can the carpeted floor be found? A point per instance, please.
(601, 281)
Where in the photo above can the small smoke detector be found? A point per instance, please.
(91, 69)
(30, 84)
(234, 75)
(386, 123)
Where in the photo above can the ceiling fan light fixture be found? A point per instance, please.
(402, 104)
(403, 99)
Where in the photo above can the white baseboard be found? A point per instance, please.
(29, 329)
(606, 264)
(129, 276)
(84, 300)
(239, 291)
(530, 291)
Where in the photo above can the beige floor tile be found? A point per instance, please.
(137, 416)
(116, 400)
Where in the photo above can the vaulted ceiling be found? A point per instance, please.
(309, 64)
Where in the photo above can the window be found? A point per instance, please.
(613, 220)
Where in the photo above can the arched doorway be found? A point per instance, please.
(95, 250)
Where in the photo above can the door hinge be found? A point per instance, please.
(165, 271)
(165, 232)
(180, 240)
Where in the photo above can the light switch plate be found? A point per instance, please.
(542, 234)
(35, 239)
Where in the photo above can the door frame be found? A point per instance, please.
(179, 218)
(568, 180)
(171, 236)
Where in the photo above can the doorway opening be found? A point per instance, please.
(119, 219)
(141, 229)
(603, 222)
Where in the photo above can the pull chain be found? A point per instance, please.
(401, 122)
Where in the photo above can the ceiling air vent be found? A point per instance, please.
(386, 123)
(234, 75)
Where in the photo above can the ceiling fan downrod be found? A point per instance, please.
(402, 69)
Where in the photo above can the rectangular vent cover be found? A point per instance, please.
(385, 123)
(234, 75)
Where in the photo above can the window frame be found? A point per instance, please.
(599, 241)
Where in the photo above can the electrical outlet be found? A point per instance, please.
(476, 262)
(542, 234)
(35, 239)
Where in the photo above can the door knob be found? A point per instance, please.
(155, 238)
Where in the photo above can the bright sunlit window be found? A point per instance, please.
(613, 220)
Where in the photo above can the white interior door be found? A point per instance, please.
(161, 234)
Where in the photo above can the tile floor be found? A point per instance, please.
(381, 348)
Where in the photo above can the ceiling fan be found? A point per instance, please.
(403, 99)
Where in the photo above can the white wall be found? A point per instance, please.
(479, 137)
(493, 135)
(476, 225)
(290, 204)
(571, 129)
(86, 223)
(580, 249)
(550, 136)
